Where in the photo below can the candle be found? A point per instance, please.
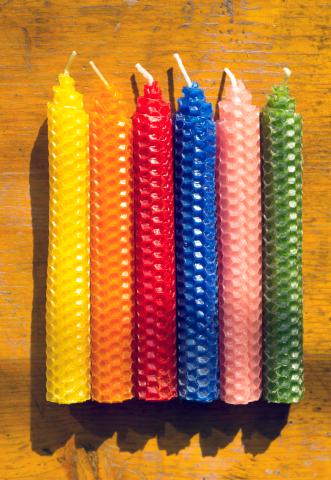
(240, 245)
(155, 314)
(196, 251)
(281, 130)
(68, 288)
(111, 247)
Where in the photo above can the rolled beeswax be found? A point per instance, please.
(196, 252)
(111, 249)
(155, 315)
(281, 129)
(68, 277)
(240, 246)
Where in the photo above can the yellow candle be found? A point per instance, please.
(68, 283)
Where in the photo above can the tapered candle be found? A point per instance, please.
(111, 247)
(68, 278)
(281, 128)
(196, 249)
(240, 245)
(155, 313)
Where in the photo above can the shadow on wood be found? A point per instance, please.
(174, 423)
(219, 96)
(135, 422)
(51, 425)
(134, 87)
(171, 90)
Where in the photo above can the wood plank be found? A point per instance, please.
(135, 440)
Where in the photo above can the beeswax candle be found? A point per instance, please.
(111, 247)
(68, 284)
(240, 245)
(281, 128)
(196, 249)
(155, 314)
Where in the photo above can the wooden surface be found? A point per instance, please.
(145, 441)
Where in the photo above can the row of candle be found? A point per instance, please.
(156, 225)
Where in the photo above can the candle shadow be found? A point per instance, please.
(174, 424)
(134, 422)
(134, 86)
(171, 90)
(50, 425)
(219, 96)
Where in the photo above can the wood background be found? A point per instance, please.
(256, 38)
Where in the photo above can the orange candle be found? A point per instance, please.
(111, 247)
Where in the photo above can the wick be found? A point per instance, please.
(69, 62)
(232, 77)
(287, 73)
(183, 69)
(144, 73)
(97, 71)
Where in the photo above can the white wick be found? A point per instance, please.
(287, 73)
(183, 69)
(97, 71)
(145, 73)
(69, 62)
(232, 77)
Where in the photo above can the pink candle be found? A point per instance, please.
(240, 245)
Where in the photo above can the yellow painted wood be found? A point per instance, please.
(255, 38)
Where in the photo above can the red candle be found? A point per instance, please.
(155, 312)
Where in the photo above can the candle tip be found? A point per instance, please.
(69, 62)
(231, 76)
(99, 74)
(145, 73)
(287, 73)
(183, 69)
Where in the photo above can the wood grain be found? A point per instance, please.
(135, 440)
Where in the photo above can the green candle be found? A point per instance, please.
(281, 134)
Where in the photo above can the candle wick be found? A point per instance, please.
(183, 69)
(99, 74)
(287, 73)
(145, 73)
(233, 79)
(69, 62)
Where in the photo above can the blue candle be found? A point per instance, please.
(196, 247)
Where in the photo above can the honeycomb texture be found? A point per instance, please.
(281, 129)
(68, 275)
(155, 310)
(196, 249)
(111, 250)
(240, 247)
